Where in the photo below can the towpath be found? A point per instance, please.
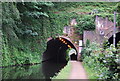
(77, 71)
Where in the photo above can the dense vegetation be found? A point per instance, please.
(85, 13)
(26, 26)
(101, 63)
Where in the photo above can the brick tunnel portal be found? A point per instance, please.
(56, 50)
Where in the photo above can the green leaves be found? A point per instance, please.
(49, 4)
(86, 22)
(36, 14)
(36, 9)
(102, 61)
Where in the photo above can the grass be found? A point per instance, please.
(64, 73)
(90, 72)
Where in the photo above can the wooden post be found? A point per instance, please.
(114, 29)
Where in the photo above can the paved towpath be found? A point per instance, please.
(77, 71)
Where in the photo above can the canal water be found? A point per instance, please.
(45, 70)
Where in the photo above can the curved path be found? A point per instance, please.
(77, 71)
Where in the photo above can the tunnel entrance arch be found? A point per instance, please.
(72, 54)
(56, 49)
(117, 39)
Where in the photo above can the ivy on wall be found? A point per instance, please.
(26, 26)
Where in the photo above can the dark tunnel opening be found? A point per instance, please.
(117, 39)
(73, 57)
(56, 50)
(54, 58)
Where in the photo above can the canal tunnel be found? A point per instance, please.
(56, 50)
(117, 39)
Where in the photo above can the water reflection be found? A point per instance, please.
(24, 72)
(50, 69)
(44, 70)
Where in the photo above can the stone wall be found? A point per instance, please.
(103, 31)
(69, 31)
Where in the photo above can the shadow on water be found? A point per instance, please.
(50, 68)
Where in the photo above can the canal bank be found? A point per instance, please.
(73, 70)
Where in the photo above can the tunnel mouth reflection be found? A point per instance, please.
(51, 69)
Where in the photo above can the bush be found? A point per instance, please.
(16, 57)
(102, 61)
